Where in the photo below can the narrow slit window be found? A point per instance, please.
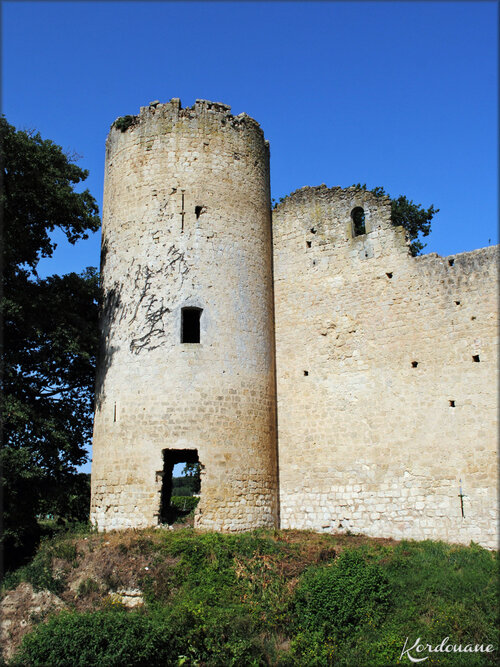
(198, 210)
(358, 221)
(190, 325)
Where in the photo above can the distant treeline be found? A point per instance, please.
(184, 486)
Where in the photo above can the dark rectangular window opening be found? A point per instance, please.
(414, 364)
(198, 210)
(190, 325)
(171, 511)
(475, 357)
(452, 404)
(308, 244)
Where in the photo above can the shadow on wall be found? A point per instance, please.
(110, 306)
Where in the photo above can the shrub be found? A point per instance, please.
(66, 551)
(124, 122)
(103, 638)
(214, 635)
(340, 597)
(88, 586)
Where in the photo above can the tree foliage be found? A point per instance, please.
(192, 472)
(413, 217)
(50, 330)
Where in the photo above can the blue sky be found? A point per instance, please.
(402, 95)
(397, 94)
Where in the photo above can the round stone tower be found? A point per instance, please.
(186, 371)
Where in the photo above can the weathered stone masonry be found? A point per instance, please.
(400, 398)
(186, 224)
(386, 370)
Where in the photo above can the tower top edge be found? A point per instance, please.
(314, 194)
(174, 111)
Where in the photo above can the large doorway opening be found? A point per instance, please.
(170, 511)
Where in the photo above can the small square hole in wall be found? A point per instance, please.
(451, 262)
(198, 210)
(475, 357)
(457, 303)
(306, 372)
(389, 275)
(452, 404)
(313, 230)
(414, 364)
(308, 244)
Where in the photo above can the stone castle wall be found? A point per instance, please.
(386, 376)
(386, 364)
(186, 223)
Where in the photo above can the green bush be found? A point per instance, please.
(338, 598)
(66, 551)
(214, 635)
(124, 122)
(188, 633)
(103, 638)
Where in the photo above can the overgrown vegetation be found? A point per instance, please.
(264, 598)
(415, 219)
(124, 122)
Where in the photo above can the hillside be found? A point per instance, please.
(178, 597)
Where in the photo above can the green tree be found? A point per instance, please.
(413, 217)
(192, 472)
(50, 332)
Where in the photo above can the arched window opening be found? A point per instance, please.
(358, 221)
(190, 325)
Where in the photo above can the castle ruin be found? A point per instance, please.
(323, 377)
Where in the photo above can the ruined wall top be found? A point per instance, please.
(172, 111)
(321, 193)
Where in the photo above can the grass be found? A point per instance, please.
(268, 598)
